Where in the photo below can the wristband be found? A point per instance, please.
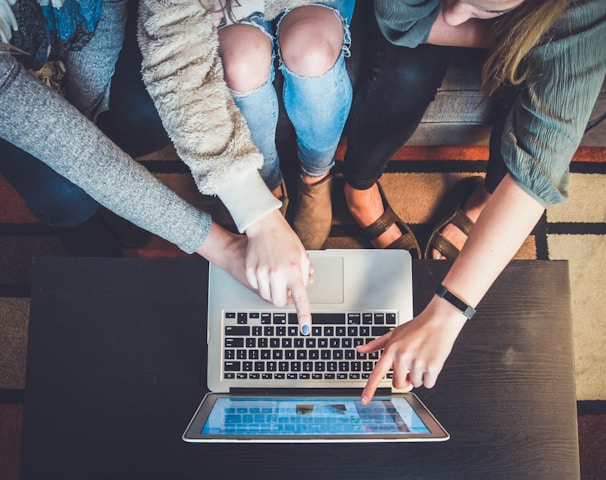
(455, 301)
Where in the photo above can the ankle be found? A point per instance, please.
(307, 180)
(364, 205)
(278, 192)
(476, 202)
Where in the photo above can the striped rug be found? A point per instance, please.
(414, 183)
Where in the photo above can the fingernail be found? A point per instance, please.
(437, 256)
(305, 329)
(364, 399)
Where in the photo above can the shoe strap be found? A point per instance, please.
(462, 221)
(381, 224)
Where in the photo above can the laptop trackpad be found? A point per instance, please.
(327, 286)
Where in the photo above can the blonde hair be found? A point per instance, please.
(516, 33)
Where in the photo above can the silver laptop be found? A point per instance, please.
(269, 383)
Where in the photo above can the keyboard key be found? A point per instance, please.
(379, 331)
(237, 331)
(231, 366)
(234, 342)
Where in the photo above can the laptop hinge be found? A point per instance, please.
(305, 391)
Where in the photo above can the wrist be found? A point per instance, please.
(247, 199)
(455, 301)
(265, 224)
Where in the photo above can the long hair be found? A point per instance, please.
(227, 8)
(8, 48)
(516, 33)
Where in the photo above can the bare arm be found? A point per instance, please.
(422, 345)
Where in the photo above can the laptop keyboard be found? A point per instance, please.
(268, 346)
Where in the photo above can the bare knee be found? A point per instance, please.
(311, 39)
(246, 55)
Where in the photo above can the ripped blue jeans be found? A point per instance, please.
(316, 106)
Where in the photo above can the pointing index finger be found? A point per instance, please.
(380, 370)
(300, 299)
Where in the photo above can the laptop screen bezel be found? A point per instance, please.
(193, 431)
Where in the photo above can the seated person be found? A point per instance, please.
(311, 43)
(209, 68)
(64, 139)
(546, 63)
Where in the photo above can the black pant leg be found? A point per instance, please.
(395, 86)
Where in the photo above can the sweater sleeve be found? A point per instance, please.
(71, 145)
(548, 119)
(183, 73)
(406, 23)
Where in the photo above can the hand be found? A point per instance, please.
(226, 250)
(278, 266)
(415, 350)
(8, 22)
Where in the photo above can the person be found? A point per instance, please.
(545, 66)
(209, 68)
(63, 138)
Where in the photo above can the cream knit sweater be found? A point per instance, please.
(184, 76)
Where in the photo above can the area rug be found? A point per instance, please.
(415, 182)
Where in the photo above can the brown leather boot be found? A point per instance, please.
(284, 198)
(313, 212)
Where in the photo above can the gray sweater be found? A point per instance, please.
(69, 143)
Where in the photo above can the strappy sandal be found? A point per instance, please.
(456, 217)
(407, 241)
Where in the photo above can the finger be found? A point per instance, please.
(416, 375)
(374, 345)
(430, 378)
(279, 292)
(380, 370)
(306, 269)
(251, 277)
(7, 14)
(301, 301)
(263, 286)
(5, 31)
(401, 379)
(310, 276)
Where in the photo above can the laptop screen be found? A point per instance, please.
(312, 418)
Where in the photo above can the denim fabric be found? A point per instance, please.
(317, 107)
(52, 198)
(132, 121)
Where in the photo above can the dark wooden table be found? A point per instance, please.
(116, 368)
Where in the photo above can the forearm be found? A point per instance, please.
(506, 221)
(70, 144)
(184, 76)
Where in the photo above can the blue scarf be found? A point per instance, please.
(55, 26)
(64, 17)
